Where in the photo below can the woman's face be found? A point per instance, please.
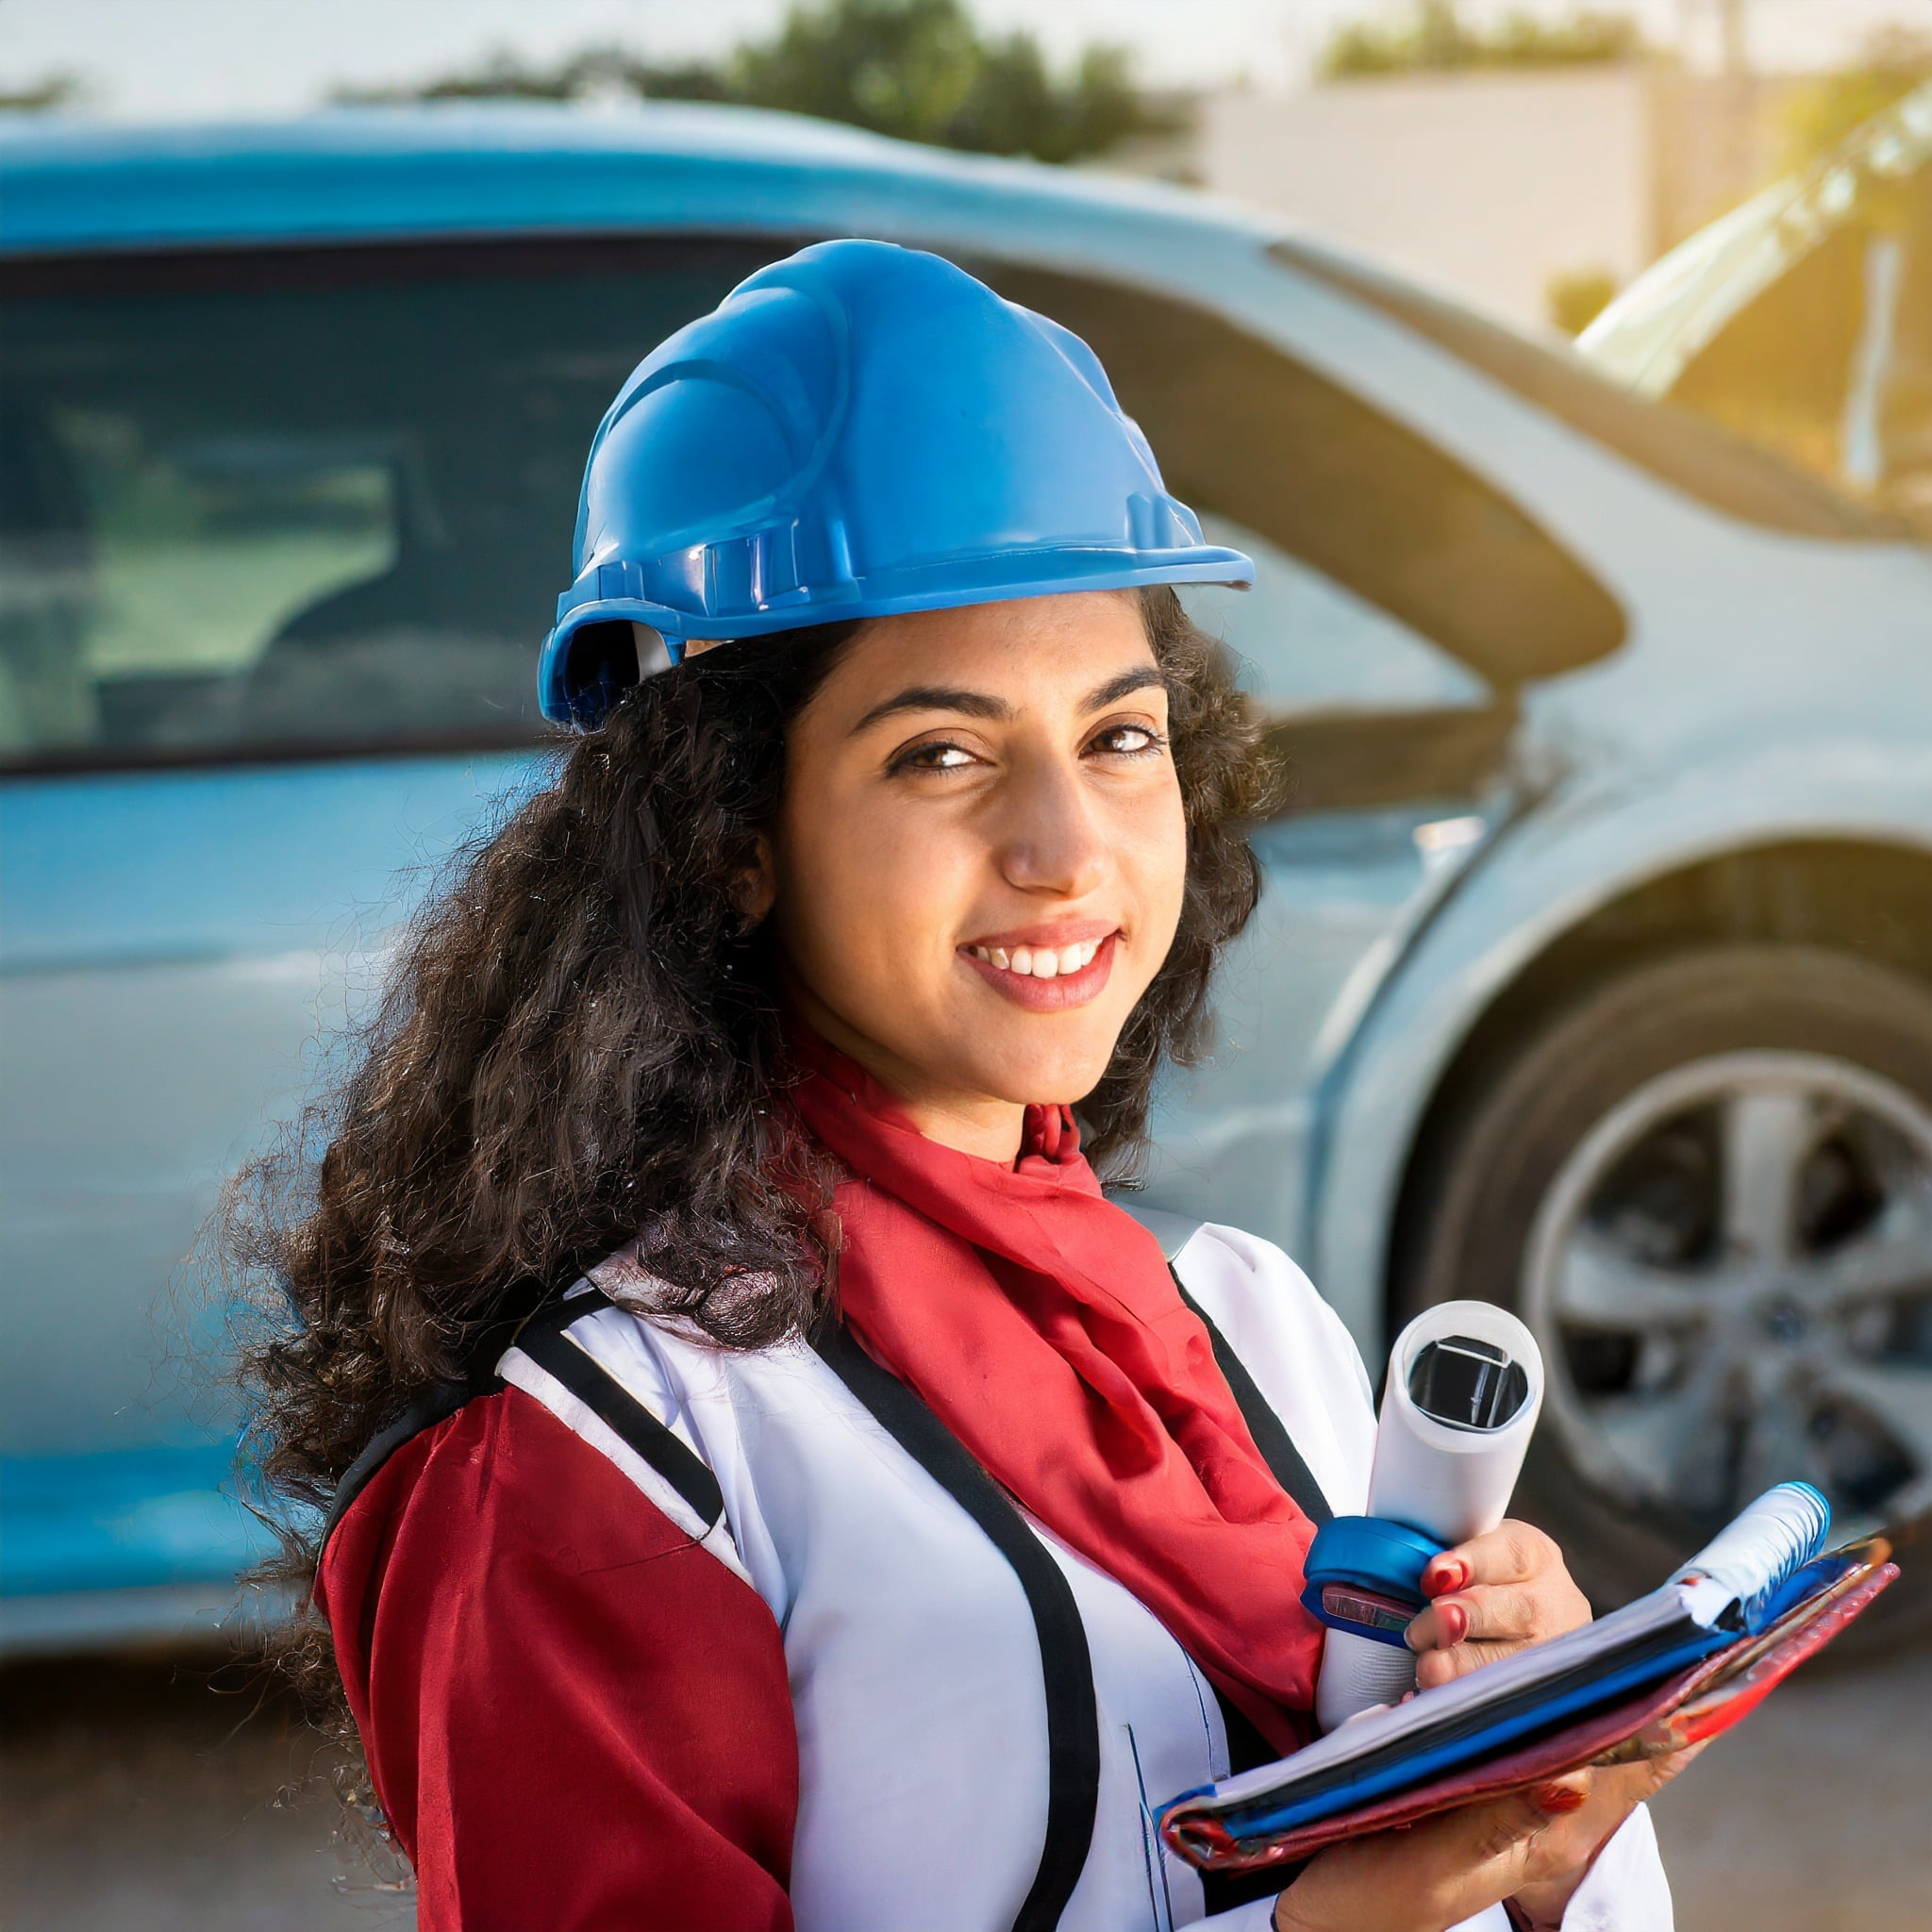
(979, 863)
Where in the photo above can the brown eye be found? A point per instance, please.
(1130, 741)
(938, 757)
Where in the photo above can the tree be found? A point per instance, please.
(1431, 38)
(916, 68)
(1825, 113)
(40, 97)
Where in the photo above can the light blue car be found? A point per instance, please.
(1593, 971)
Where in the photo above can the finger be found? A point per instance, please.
(1511, 1552)
(1437, 1667)
(1493, 1613)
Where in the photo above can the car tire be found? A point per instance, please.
(1620, 1180)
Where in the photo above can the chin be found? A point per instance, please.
(1036, 1073)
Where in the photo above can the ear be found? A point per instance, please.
(757, 888)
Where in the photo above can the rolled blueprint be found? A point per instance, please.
(1465, 1386)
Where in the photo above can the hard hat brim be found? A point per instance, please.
(1026, 574)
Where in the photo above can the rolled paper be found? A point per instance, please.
(1451, 1474)
(1465, 1387)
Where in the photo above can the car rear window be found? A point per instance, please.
(1682, 450)
(304, 502)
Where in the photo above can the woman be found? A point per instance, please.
(873, 1535)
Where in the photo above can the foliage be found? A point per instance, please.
(1431, 38)
(1824, 113)
(1577, 296)
(917, 69)
(40, 97)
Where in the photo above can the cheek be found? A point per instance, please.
(1154, 859)
(868, 897)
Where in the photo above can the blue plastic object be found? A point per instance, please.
(1364, 1574)
(858, 430)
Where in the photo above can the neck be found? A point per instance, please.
(977, 1124)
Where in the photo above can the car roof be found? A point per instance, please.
(530, 167)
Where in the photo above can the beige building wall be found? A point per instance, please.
(1491, 184)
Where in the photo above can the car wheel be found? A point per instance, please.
(1706, 1187)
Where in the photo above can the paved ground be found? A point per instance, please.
(134, 1797)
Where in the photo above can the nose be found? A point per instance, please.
(1053, 842)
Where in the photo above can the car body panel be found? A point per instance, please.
(204, 933)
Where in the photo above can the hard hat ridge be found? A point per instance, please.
(858, 430)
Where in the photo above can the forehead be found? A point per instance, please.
(1032, 651)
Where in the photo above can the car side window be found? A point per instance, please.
(1303, 644)
(305, 501)
(1368, 529)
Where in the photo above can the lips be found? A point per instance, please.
(1045, 969)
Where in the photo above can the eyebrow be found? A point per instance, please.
(976, 704)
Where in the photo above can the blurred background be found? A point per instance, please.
(1567, 371)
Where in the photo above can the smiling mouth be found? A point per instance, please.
(1045, 978)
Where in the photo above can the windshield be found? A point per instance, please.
(1648, 336)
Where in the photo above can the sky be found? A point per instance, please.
(145, 58)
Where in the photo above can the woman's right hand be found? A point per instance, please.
(1433, 1874)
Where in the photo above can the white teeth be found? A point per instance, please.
(1039, 963)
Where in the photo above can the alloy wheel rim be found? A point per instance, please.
(1731, 1281)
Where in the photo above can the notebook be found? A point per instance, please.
(1688, 1659)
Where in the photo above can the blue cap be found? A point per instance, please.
(858, 430)
(1373, 1555)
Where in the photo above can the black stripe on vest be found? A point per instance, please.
(543, 1341)
(1246, 1748)
(1275, 1444)
(1073, 1718)
(541, 1338)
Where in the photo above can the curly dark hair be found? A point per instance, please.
(582, 1042)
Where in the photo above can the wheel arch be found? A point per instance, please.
(1865, 895)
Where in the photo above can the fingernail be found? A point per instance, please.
(1557, 1801)
(1454, 1622)
(1446, 1574)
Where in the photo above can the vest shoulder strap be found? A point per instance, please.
(542, 1339)
(1174, 1232)
(1271, 1435)
(1073, 1716)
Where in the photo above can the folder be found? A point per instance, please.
(1671, 1669)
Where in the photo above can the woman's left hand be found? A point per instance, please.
(1491, 1597)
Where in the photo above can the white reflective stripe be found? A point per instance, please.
(520, 1372)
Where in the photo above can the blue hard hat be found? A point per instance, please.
(857, 430)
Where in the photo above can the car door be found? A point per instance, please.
(1401, 605)
(280, 530)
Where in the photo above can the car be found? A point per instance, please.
(1804, 318)
(1593, 969)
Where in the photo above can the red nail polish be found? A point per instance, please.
(1446, 1574)
(1557, 1801)
(1455, 1621)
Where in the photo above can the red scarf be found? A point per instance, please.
(1041, 1324)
